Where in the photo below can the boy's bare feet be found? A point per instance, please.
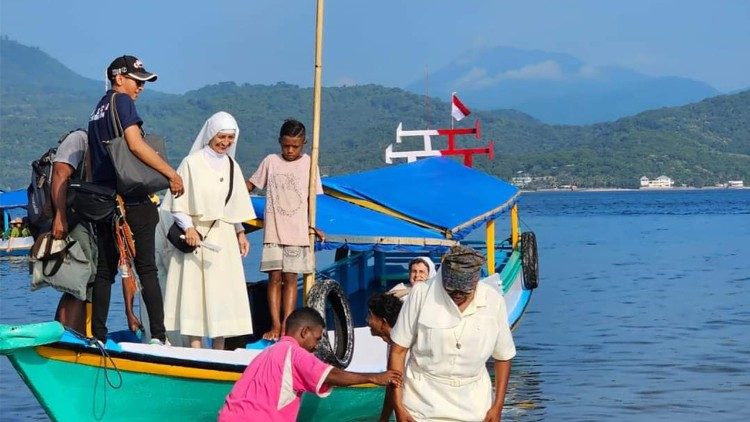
(273, 334)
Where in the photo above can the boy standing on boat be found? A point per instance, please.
(128, 78)
(271, 387)
(286, 246)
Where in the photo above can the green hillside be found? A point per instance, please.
(698, 144)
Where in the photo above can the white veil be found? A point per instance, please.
(219, 122)
(430, 266)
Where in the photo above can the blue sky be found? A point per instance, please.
(388, 42)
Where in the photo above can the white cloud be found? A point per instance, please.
(478, 78)
(588, 71)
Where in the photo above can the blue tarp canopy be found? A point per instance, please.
(13, 204)
(13, 199)
(437, 192)
(361, 229)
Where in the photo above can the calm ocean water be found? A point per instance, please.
(642, 313)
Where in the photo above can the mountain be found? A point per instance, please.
(698, 144)
(556, 88)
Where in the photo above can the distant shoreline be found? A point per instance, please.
(630, 189)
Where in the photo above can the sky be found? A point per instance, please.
(389, 42)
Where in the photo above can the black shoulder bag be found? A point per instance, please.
(134, 177)
(176, 235)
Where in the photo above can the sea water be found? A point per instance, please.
(643, 309)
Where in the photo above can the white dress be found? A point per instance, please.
(206, 294)
(445, 377)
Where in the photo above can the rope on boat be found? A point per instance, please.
(91, 341)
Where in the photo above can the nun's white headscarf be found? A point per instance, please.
(219, 122)
(430, 266)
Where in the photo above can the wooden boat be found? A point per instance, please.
(13, 204)
(75, 379)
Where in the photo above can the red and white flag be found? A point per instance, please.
(458, 109)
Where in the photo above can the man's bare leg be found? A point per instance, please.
(274, 305)
(195, 342)
(71, 313)
(289, 297)
(217, 343)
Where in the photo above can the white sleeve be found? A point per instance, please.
(183, 220)
(505, 348)
(238, 227)
(405, 331)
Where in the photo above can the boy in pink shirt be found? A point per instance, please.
(271, 387)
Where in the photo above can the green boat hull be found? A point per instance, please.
(74, 391)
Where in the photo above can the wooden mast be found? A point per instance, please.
(309, 279)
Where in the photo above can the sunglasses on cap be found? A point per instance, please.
(139, 83)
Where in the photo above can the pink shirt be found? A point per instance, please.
(271, 387)
(286, 184)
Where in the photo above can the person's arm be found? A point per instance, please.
(243, 243)
(61, 173)
(250, 186)
(502, 374)
(397, 362)
(319, 234)
(385, 414)
(341, 378)
(145, 153)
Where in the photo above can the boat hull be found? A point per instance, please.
(16, 246)
(80, 384)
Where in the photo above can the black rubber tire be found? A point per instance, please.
(530, 261)
(329, 292)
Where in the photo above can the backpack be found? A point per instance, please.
(39, 208)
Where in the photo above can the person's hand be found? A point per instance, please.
(59, 226)
(192, 237)
(244, 244)
(319, 234)
(391, 376)
(493, 415)
(175, 185)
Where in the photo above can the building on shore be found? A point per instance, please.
(661, 182)
(521, 181)
(735, 184)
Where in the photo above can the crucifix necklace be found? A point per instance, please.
(458, 337)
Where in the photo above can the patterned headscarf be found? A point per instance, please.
(461, 268)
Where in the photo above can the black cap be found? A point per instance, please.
(131, 66)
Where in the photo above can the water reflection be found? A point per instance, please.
(524, 399)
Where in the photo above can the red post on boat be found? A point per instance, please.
(468, 153)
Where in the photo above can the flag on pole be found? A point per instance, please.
(458, 109)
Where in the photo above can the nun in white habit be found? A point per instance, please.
(205, 293)
(421, 269)
(449, 328)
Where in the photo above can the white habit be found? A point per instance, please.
(206, 294)
(445, 377)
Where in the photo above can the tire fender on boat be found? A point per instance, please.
(327, 297)
(530, 260)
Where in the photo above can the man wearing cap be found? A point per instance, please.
(128, 77)
(452, 326)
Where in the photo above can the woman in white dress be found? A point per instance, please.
(421, 269)
(451, 326)
(206, 294)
